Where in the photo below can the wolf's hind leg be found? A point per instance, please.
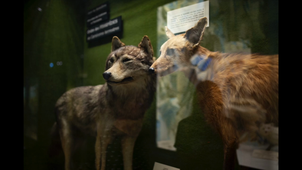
(67, 140)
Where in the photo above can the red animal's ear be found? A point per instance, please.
(194, 34)
(168, 32)
(146, 45)
(116, 43)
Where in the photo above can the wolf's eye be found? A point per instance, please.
(111, 60)
(126, 60)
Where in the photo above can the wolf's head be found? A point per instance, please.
(127, 64)
(178, 50)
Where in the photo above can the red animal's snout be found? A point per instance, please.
(162, 66)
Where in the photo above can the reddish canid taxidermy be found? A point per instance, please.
(237, 92)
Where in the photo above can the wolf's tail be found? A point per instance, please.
(55, 147)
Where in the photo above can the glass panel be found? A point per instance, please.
(236, 29)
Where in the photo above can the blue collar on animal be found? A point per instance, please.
(201, 63)
(196, 60)
(205, 65)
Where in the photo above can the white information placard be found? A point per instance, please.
(182, 19)
(263, 154)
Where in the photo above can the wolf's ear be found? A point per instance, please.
(169, 33)
(194, 34)
(116, 43)
(146, 45)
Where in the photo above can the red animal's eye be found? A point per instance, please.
(170, 51)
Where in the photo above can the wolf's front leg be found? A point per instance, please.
(102, 140)
(128, 146)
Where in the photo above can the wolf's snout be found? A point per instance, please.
(151, 70)
(106, 75)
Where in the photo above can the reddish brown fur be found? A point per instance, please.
(256, 78)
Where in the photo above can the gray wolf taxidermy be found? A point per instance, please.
(116, 107)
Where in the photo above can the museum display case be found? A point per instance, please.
(72, 43)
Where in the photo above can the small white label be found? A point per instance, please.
(182, 19)
(265, 154)
(167, 144)
(250, 154)
(159, 166)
